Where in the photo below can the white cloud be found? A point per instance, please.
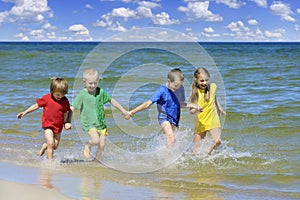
(261, 3)
(123, 12)
(199, 10)
(22, 36)
(117, 27)
(237, 27)
(283, 10)
(297, 27)
(275, 33)
(79, 32)
(144, 12)
(298, 10)
(232, 3)
(163, 19)
(30, 11)
(88, 6)
(48, 26)
(148, 4)
(37, 34)
(3, 16)
(110, 22)
(209, 30)
(252, 22)
(51, 35)
(258, 32)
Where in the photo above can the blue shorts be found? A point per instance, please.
(162, 117)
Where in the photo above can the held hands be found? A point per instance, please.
(195, 108)
(127, 115)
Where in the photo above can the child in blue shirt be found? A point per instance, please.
(169, 98)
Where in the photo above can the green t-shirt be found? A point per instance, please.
(92, 108)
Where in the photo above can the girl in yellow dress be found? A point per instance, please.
(203, 94)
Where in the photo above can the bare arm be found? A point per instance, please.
(219, 107)
(193, 107)
(141, 107)
(28, 110)
(119, 107)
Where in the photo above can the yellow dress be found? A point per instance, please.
(208, 118)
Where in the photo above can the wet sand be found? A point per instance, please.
(16, 191)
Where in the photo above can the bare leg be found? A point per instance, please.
(86, 151)
(43, 149)
(50, 143)
(169, 131)
(56, 140)
(100, 148)
(94, 140)
(197, 139)
(216, 138)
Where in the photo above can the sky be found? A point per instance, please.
(201, 20)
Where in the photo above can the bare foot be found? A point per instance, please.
(86, 152)
(43, 149)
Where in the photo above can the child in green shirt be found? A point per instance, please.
(90, 102)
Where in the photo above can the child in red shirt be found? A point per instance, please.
(56, 108)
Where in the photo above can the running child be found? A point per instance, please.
(56, 114)
(203, 94)
(170, 97)
(90, 102)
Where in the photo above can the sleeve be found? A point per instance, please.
(180, 94)
(41, 102)
(77, 102)
(105, 96)
(156, 96)
(67, 105)
(213, 89)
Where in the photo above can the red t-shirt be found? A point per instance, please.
(53, 113)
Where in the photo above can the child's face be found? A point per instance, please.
(202, 81)
(91, 83)
(58, 95)
(175, 85)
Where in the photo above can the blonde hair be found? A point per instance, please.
(90, 72)
(194, 90)
(59, 85)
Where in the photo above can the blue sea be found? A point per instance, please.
(258, 86)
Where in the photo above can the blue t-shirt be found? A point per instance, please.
(168, 104)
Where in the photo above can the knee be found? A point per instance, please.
(50, 145)
(217, 143)
(95, 142)
(202, 135)
(55, 146)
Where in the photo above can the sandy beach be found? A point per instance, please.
(18, 191)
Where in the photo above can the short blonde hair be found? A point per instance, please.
(59, 85)
(176, 72)
(90, 72)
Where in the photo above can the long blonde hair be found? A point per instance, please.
(194, 90)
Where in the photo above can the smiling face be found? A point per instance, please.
(202, 80)
(91, 83)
